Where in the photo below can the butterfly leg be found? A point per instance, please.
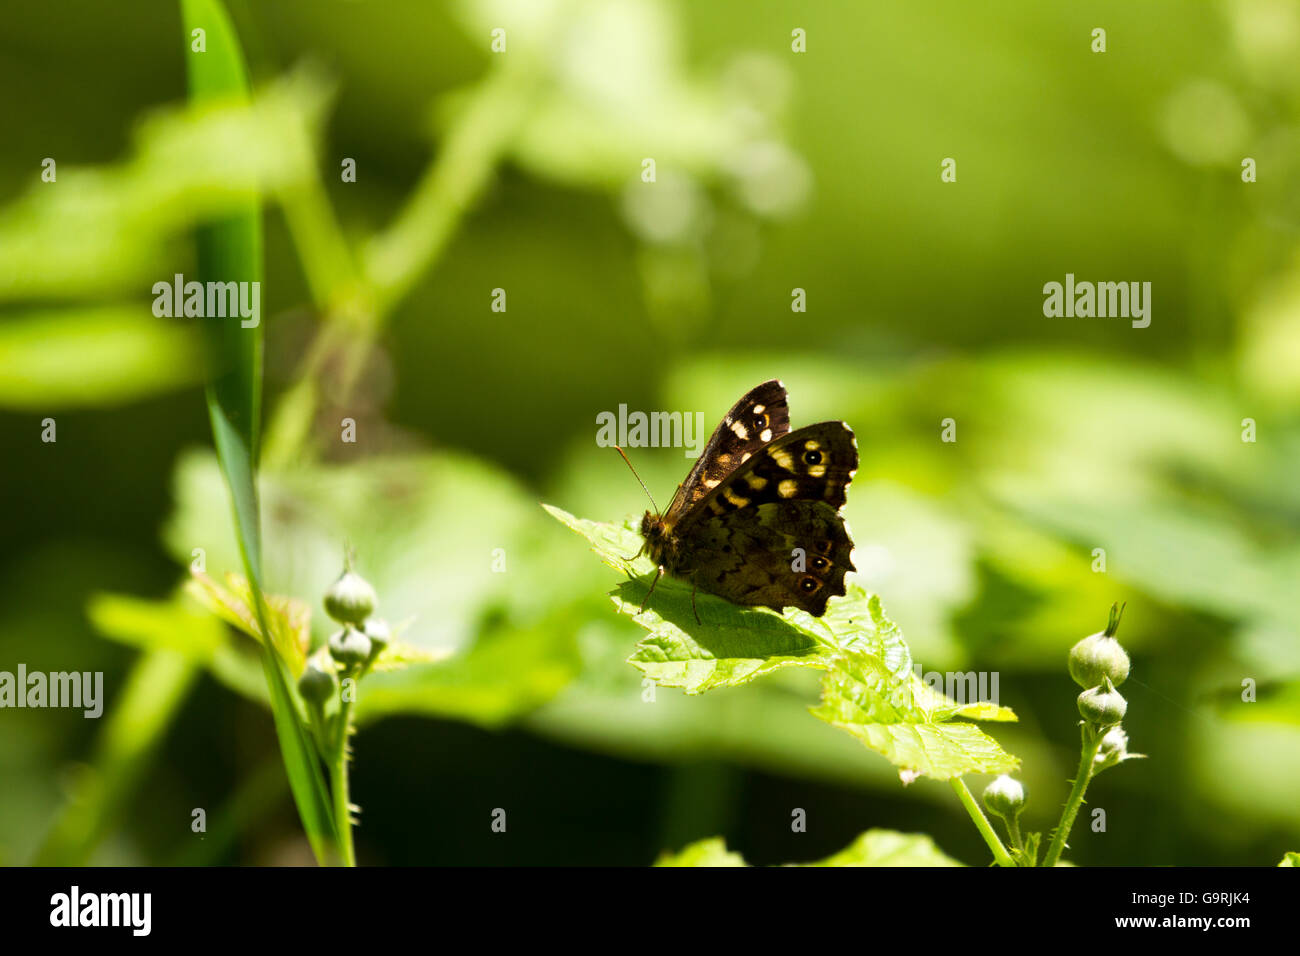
(693, 607)
(658, 574)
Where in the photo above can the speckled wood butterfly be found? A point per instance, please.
(757, 520)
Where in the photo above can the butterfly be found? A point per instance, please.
(757, 520)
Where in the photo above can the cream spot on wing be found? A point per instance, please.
(744, 458)
(759, 409)
(816, 470)
(766, 434)
(812, 444)
(787, 488)
(741, 431)
(734, 498)
(757, 482)
(711, 482)
(783, 458)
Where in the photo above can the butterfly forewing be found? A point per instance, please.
(761, 416)
(815, 463)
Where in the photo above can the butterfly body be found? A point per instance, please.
(757, 520)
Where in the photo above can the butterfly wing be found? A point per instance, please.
(770, 533)
(815, 463)
(778, 554)
(761, 416)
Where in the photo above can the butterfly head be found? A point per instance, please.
(655, 531)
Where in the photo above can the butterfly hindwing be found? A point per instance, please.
(761, 416)
(778, 554)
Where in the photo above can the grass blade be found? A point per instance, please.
(231, 250)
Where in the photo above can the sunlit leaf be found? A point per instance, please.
(905, 721)
(730, 645)
(889, 848)
(289, 618)
(710, 852)
(873, 848)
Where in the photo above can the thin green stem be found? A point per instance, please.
(1091, 743)
(395, 258)
(339, 783)
(1000, 854)
(357, 297)
(1013, 830)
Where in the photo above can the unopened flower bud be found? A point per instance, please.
(350, 599)
(317, 683)
(1100, 656)
(350, 647)
(380, 635)
(1005, 797)
(1102, 706)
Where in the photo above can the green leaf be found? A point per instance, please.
(889, 848)
(873, 848)
(507, 672)
(1290, 859)
(869, 689)
(230, 249)
(904, 720)
(112, 229)
(710, 852)
(400, 655)
(93, 356)
(289, 618)
(172, 625)
(731, 645)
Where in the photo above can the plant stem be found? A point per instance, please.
(1013, 830)
(357, 297)
(1000, 854)
(1091, 742)
(339, 785)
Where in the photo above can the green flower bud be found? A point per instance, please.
(1005, 797)
(1102, 706)
(1100, 656)
(350, 599)
(317, 684)
(380, 635)
(1113, 749)
(350, 647)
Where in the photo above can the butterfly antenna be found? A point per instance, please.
(638, 478)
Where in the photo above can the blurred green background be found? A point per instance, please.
(775, 170)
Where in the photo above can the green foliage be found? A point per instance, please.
(914, 731)
(288, 618)
(1290, 859)
(710, 852)
(92, 356)
(230, 249)
(177, 624)
(982, 546)
(507, 673)
(888, 848)
(868, 690)
(732, 646)
(873, 848)
(483, 646)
